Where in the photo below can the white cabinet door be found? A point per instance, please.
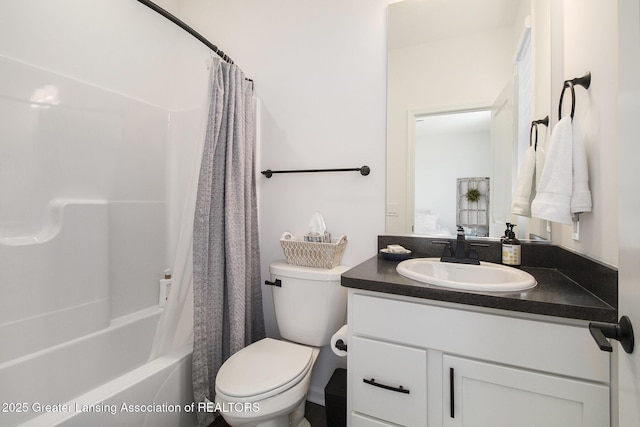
(480, 394)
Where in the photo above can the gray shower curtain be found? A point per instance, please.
(226, 262)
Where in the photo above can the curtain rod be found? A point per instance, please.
(151, 5)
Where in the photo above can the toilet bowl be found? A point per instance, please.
(266, 383)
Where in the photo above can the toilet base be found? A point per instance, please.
(293, 419)
(285, 423)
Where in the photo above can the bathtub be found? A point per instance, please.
(102, 378)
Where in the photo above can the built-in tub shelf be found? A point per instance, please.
(54, 217)
(55, 284)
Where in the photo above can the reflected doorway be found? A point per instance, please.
(448, 147)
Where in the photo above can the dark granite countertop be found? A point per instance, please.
(554, 295)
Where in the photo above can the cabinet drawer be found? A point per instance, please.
(358, 420)
(389, 381)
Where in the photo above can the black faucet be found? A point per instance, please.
(460, 255)
(460, 249)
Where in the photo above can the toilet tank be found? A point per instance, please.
(310, 304)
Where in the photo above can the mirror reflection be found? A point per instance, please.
(455, 150)
(458, 115)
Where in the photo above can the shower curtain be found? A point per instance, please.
(226, 264)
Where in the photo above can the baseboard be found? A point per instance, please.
(316, 395)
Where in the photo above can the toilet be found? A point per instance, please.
(266, 383)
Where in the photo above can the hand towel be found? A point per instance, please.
(580, 196)
(553, 197)
(525, 186)
(540, 159)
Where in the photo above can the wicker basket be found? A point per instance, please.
(311, 254)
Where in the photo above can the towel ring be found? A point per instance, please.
(534, 124)
(567, 84)
(584, 81)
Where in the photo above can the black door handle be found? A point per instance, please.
(621, 331)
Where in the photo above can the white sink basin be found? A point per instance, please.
(484, 277)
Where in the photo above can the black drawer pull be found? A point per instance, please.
(373, 382)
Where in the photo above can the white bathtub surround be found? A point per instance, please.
(100, 377)
(175, 328)
(46, 298)
(226, 271)
(103, 107)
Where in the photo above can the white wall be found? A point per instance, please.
(131, 88)
(577, 48)
(319, 69)
(629, 248)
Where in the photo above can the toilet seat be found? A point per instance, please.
(263, 369)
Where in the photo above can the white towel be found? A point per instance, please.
(580, 196)
(540, 159)
(526, 186)
(562, 180)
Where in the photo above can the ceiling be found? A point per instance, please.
(412, 22)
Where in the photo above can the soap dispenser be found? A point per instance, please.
(511, 248)
(506, 233)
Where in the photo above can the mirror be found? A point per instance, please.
(450, 59)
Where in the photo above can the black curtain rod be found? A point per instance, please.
(151, 5)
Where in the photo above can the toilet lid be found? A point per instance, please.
(263, 366)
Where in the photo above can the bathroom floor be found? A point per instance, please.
(313, 413)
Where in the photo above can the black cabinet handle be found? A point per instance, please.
(277, 283)
(452, 408)
(373, 382)
(621, 331)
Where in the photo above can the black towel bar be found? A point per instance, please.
(364, 170)
(584, 81)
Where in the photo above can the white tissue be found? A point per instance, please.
(317, 225)
(341, 334)
(317, 230)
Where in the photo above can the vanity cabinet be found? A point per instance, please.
(414, 363)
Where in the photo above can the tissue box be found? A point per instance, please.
(311, 254)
